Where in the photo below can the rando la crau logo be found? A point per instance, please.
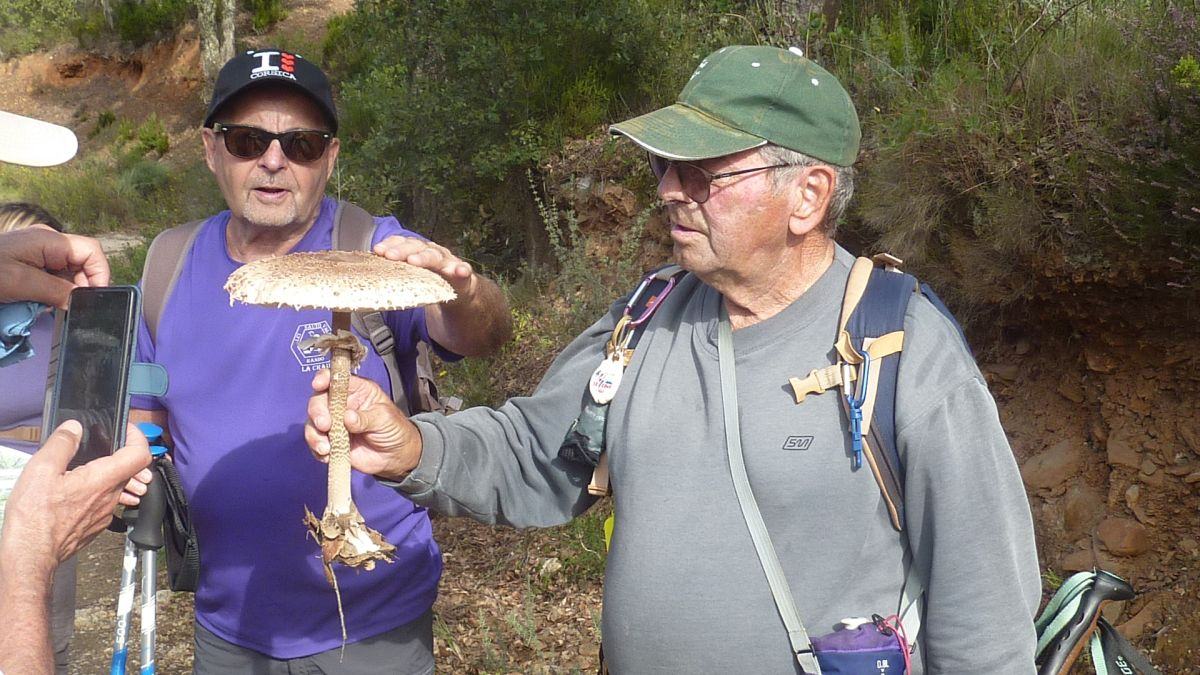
(310, 358)
(286, 67)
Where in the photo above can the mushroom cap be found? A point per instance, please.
(343, 281)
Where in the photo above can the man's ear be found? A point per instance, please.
(210, 148)
(331, 155)
(814, 193)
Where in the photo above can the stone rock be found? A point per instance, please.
(1133, 499)
(1077, 561)
(1124, 450)
(1083, 559)
(1192, 478)
(1122, 536)
(1183, 469)
(1082, 508)
(1189, 437)
(1147, 618)
(1148, 467)
(1070, 389)
(1023, 347)
(1139, 405)
(1099, 361)
(1112, 611)
(1155, 480)
(1099, 431)
(1004, 371)
(1054, 466)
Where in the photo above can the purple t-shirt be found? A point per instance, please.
(239, 389)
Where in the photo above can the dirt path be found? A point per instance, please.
(502, 607)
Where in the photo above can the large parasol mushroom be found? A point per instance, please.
(345, 282)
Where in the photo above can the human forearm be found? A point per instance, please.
(25, 581)
(476, 324)
(502, 465)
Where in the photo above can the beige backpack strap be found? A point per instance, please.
(853, 365)
(856, 285)
(160, 271)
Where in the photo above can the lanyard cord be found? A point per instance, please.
(797, 635)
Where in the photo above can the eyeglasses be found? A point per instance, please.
(695, 181)
(246, 142)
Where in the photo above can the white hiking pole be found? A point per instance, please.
(143, 539)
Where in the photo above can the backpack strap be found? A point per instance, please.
(584, 441)
(160, 271)
(871, 330)
(353, 230)
(642, 304)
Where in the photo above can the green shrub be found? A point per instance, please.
(152, 137)
(126, 265)
(28, 25)
(1004, 159)
(264, 13)
(140, 21)
(1187, 72)
(83, 195)
(105, 119)
(447, 104)
(143, 179)
(90, 27)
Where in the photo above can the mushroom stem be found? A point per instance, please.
(341, 532)
(339, 439)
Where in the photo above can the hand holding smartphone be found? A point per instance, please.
(90, 368)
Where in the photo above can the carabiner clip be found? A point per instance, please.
(854, 403)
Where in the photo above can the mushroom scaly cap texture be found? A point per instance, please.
(342, 281)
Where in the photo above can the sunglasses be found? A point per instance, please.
(695, 181)
(301, 145)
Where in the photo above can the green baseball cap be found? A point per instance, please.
(744, 97)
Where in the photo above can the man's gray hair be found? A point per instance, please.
(843, 187)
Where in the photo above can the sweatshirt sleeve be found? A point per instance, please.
(501, 465)
(967, 513)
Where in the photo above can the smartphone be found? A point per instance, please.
(89, 368)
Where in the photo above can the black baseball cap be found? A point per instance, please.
(255, 67)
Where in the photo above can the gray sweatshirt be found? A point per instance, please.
(684, 590)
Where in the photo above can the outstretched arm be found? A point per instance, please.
(51, 514)
(475, 324)
(496, 466)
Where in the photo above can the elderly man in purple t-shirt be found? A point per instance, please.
(239, 387)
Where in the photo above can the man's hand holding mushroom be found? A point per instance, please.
(383, 442)
(474, 324)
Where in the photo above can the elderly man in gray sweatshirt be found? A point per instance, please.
(754, 168)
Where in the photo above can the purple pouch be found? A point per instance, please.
(865, 650)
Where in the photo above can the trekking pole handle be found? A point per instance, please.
(147, 531)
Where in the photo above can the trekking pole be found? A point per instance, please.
(144, 536)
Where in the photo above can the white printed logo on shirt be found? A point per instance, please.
(311, 359)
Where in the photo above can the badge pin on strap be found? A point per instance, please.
(606, 379)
